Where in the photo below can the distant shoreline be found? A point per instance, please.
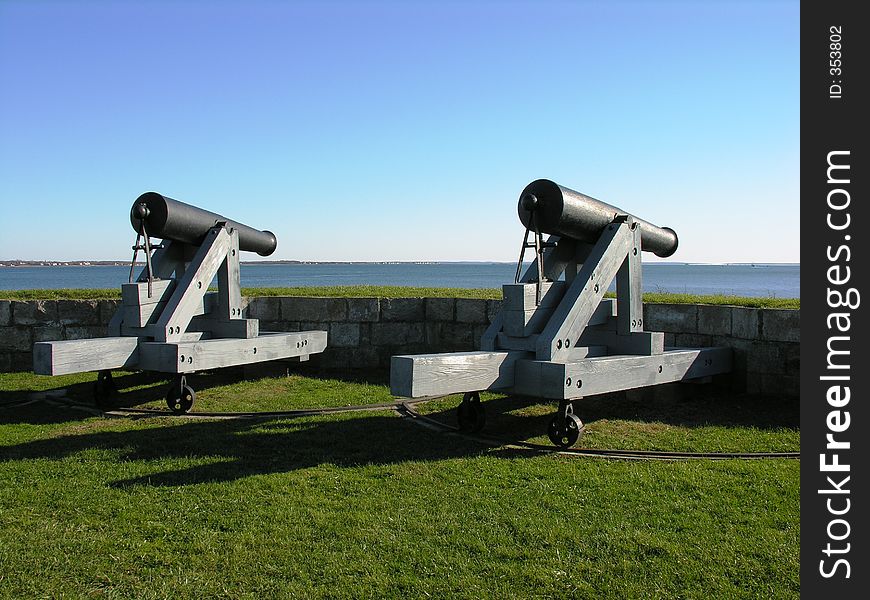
(122, 263)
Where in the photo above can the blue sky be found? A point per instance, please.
(398, 130)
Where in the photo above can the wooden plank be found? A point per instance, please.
(488, 339)
(229, 282)
(629, 287)
(509, 342)
(527, 323)
(644, 343)
(527, 344)
(147, 315)
(219, 328)
(79, 356)
(559, 381)
(521, 296)
(192, 286)
(186, 357)
(434, 374)
(522, 323)
(136, 294)
(585, 293)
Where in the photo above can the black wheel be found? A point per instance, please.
(565, 435)
(180, 397)
(470, 413)
(105, 390)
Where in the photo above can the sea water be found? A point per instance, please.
(759, 280)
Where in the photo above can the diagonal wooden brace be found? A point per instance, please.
(192, 286)
(585, 293)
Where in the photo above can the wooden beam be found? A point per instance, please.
(229, 282)
(629, 287)
(136, 294)
(565, 381)
(488, 339)
(140, 321)
(435, 374)
(583, 296)
(79, 356)
(186, 357)
(521, 296)
(230, 328)
(192, 286)
(644, 343)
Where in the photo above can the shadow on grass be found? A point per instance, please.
(227, 450)
(139, 388)
(700, 407)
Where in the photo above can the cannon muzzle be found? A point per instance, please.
(174, 220)
(563, 212)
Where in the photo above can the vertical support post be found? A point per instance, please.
(192, 286)
(229, 282)
(629, 287)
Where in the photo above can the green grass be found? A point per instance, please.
(362, 291)
(371, 505)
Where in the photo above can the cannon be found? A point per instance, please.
(168, 320)
(556, 336)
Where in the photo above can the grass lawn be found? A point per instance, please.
(372, 291)
(372, 505)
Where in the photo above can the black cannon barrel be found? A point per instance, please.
(174, 220)
(563, 212)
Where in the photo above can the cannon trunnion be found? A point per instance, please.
(168, 320)
(556, 336)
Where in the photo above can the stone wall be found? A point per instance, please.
(366, 332)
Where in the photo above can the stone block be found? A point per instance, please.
(476, 335)
(47, 333)
(670, 339)
(745, 323)
(265, 308)
(279, 326)
(83, 332)
(396, 334)
(403, 309)
(33, 312)
(432, 332)
(765, 358)
(314, 326)
(350, 358)
(740, 350)
(365, 334)
(16, 338)
(492, 309)
(792, 354)
(313, 309)
(78, 312)
(714, 320)
(692, 340)
(673, 318)
(107, 309)
(780, 385)
(21, 361)
(457, 337)
(363, 310)
(440, 309)
(753, 383)
(471, 310)
(363, 358)
(410, 349)
(5, 362)
(5, 313)
(781, 325)
(344, 335)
